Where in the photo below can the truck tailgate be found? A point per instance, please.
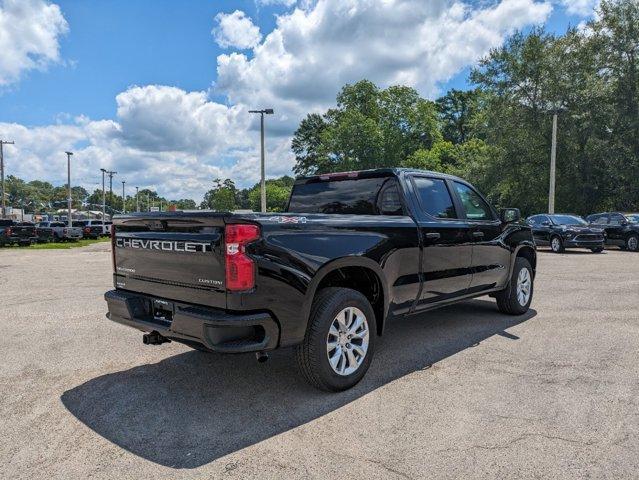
(178, 258)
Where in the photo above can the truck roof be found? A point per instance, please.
(372, 173)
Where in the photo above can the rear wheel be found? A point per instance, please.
(340, 340)
(632, 242)
(556, 244)
(515, 299)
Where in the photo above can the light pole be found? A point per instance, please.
(266, 111)
(4, 206)
(137, 199)
(69, 223)
(553, 165)
(103, 198)
(123, 198)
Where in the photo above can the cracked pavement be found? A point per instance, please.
(458, 392)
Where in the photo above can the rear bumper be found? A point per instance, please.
(216, 329)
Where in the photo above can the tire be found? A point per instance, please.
(556, 245)
(597, 250)
(324, 329)
(632, 243)
(509, 300)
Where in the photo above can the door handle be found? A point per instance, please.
(433, 236)
(478, 234)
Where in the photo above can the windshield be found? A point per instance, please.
(632, 217)
(568, 220)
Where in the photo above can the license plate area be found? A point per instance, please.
(162, 311)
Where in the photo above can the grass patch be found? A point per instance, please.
(67, 245)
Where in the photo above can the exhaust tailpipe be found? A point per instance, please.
(154, 338)
(261, 357)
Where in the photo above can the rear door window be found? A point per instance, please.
(434, 197)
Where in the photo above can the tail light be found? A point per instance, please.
(8, 232)
(113, 246)
(87, 230)
(240, 269)
(65, 231)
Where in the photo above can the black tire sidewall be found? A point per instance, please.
(340, 298)
(628, 242)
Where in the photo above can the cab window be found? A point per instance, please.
(475, 206)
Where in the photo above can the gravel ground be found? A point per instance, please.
(462, 392)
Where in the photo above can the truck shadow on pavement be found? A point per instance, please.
(193, 408)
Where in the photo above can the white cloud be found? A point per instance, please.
(236, 30)
(29, 37)
(301, 64)
(286, 3)
(581, 8)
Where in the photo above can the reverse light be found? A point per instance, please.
(240, 268)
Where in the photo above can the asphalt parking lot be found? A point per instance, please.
(463, 392)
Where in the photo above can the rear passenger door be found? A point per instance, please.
(447, 247)
(490, 257)
(615, 229)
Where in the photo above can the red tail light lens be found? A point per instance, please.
(8, 231)
(240, 269)
(87, 230)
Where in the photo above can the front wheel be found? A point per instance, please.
(556, 245)
(632, 243)
(515, 299)
(597, 250)
(340, 340)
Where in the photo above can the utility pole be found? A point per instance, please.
(553, 165)
(137, 199)
(4, 205)
(123, 198)
(69, 223)
(110, 174)
(266, 111)
(103, 199)
(148, 201)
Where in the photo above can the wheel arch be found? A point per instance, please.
(358, 273)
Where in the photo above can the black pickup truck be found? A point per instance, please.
(354, 250)
(17, 233)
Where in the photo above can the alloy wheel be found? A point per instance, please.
(347, 341)
(524, 284)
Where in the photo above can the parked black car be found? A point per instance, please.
(561, 231)
(360, 249)
(17, 233)
(90, 228)
(621, 229)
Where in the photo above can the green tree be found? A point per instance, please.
(369, 128)
(221, 197)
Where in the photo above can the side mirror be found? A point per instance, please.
(509, 215)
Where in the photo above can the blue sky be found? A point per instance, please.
(83, 94)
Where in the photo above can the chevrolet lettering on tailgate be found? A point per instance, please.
(164, 245)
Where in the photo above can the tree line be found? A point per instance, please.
(39, 196)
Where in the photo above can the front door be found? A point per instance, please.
(541, 229)
(491, 257)
(447, 245)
